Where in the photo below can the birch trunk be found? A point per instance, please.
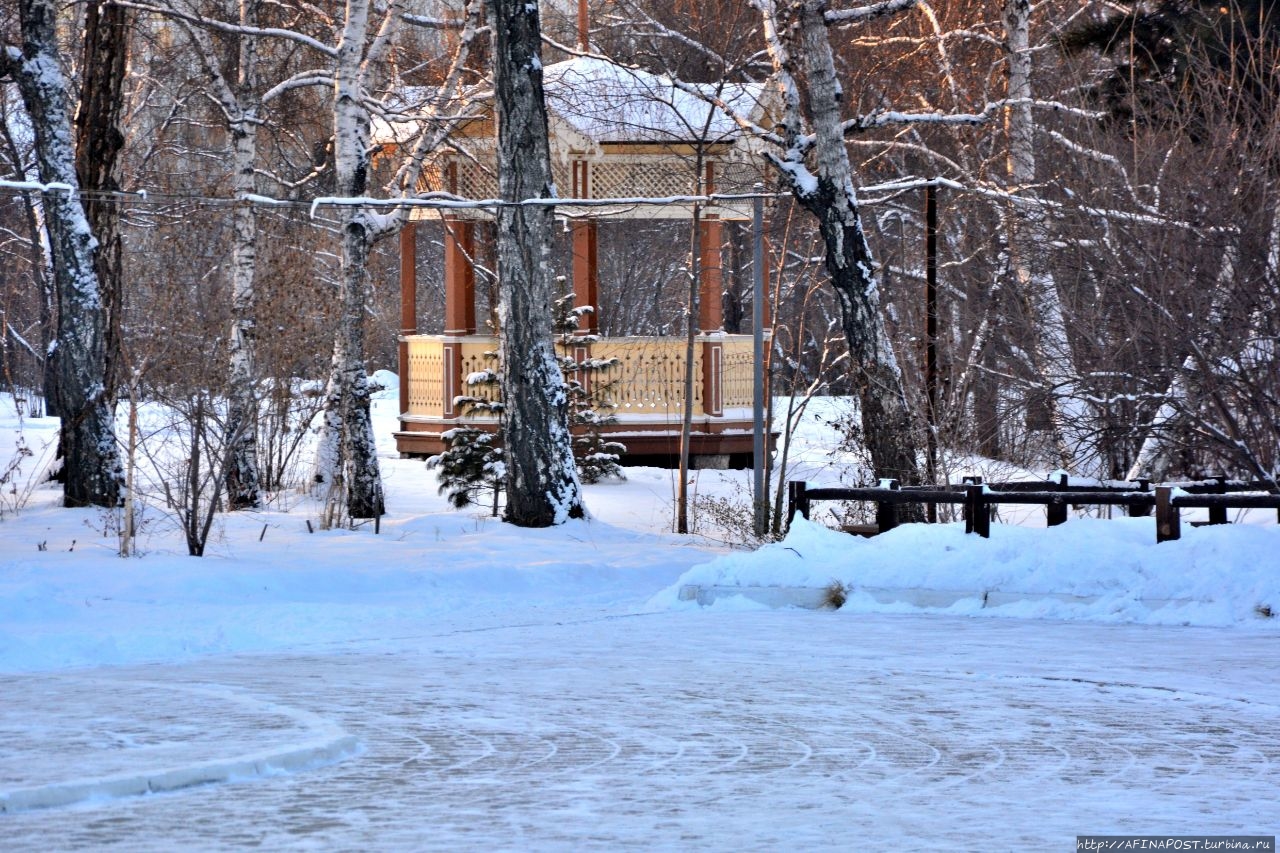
(348, 449)
(1155, 459)
(1024, 229)
(91, 460)
(243, 484)
(889, 430)
(542, 483)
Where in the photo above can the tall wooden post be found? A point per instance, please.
(408, 304)
(711, 297)
(459, 277)
(586, 273)
(584, 26)
(1168, 519)
(711, 312)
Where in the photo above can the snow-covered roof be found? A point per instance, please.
(606, 102)
(603, 102)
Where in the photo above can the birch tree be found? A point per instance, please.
(91, 462)
(236, 91)
(357, 69)
(813, 128)
(348, 449)
(542, 483)
(1025, 231)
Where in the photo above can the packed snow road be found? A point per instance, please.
(687, 730)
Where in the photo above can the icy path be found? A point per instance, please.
(707, 730)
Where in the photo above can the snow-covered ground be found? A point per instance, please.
(451, 682)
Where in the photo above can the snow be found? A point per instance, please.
(1105, 570)
(66, 599)
(610, 103)
(454, 682)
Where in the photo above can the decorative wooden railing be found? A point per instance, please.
(646, 380)
(1217, 494)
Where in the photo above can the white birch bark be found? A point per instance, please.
(1155, 457)
(348, 456)
(1024, 229)
(888, 428)
(243, 484)
(241, 103)
(542, 482)
(92, 471)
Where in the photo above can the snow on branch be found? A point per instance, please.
(36, 186)
(890, 117)
(297, 81)
(432, 23)
(868, 13)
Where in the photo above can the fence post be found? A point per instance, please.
(977, 519)
(966, 510)
(1055, 512)
(887, 513)
(1143, 509)
(1168, 521)
(1218, 514)
(797, 501)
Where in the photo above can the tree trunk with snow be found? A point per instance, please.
(1025, 233)
(98, 144)
(243, 485)
(889, 430)
(348, 449)
(91, 460)
(542, 483)
(1156, 455)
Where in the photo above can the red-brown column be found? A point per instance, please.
(459, 277)
(408, 305)
(711, 303)
(586, 273)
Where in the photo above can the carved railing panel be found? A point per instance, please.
(647, 380)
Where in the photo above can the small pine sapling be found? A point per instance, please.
(471, 466)
(587, 391)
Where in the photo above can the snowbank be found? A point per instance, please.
(1105, 570)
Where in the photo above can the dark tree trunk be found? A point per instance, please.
(542, 483)
(98, 145)
(887, 426)
(91, 461)
(889, 429)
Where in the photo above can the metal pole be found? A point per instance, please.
(757, 377)
(931, 336)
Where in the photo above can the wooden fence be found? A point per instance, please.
(1217, 494)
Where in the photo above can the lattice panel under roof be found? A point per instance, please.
(648, 177)
(739, 175)
(609, 175)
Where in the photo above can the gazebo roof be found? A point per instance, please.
(615, 133)
(610, 103)
(605, 103)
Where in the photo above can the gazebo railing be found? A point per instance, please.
(647, 380)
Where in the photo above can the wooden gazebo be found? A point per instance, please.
(616, 134)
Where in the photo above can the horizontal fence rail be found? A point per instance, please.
(1217, 494)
